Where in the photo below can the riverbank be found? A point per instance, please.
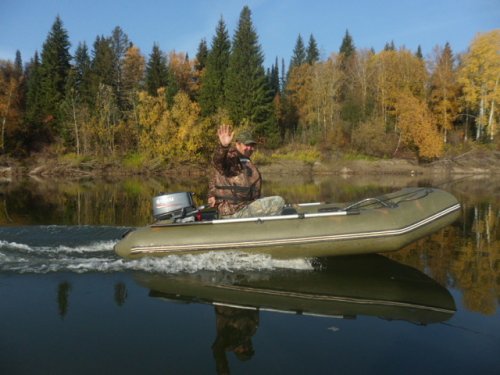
(475, 162)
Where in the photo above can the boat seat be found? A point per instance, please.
(288, 211)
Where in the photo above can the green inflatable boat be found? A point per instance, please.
(372, 225)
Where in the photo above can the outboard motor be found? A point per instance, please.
(179, 207)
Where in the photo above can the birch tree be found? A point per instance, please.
(479, 75)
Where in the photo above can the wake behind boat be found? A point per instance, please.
(372, 225)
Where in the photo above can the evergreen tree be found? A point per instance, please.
(21, 78)
(119, 43)
(247, 94)
(390, 46)
(312, 53)
(299, 54)
(419, 53)
(201, 56)
(283, 76)
(350, 111)
(54, 69)
(156, 71)
(18, 64)
(347, 48)
(83, 66)
(102, 66)
(173, 85)
(34, 134)
(273, 77)
(212, 92)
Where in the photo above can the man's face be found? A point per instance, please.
(245, 150)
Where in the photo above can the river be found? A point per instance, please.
(69, 305)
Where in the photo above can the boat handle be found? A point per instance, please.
(383, 203)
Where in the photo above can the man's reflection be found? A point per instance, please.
(235, 328)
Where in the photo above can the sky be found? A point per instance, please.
(180, 25)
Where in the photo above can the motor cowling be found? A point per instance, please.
(173, 206)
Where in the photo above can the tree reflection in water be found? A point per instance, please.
(63, 291)
(120, 293)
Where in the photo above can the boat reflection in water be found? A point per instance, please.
(341, 287)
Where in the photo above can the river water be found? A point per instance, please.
(69, 305)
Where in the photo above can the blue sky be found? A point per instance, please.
(180, 25)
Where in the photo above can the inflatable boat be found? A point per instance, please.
(340, 287)
(372, 225)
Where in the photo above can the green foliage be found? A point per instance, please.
(133, 161)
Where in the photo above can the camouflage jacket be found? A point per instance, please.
(235, 182)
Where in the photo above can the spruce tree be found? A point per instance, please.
(273, 77)
(247, 95)
(54, 69)
(18, 64)
(212, 91)
(347, 48)
(419, 53)
(390, 46)
(299, 54)
(156, 71)
(34, 134)
(350, 111)
(201, 56)
(283, 76)
(119, 43)
(312, 53)
(102, 65)
(82, 66)
(19, 72)
(173, 85)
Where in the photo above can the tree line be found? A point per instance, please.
(111, 100)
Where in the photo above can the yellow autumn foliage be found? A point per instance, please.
(174, 133)
(417, 126)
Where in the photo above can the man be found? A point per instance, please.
(235, 187)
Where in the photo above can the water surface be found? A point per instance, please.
(70, 305)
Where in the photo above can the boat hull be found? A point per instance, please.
(376, 225)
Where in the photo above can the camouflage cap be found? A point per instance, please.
(245, 137)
